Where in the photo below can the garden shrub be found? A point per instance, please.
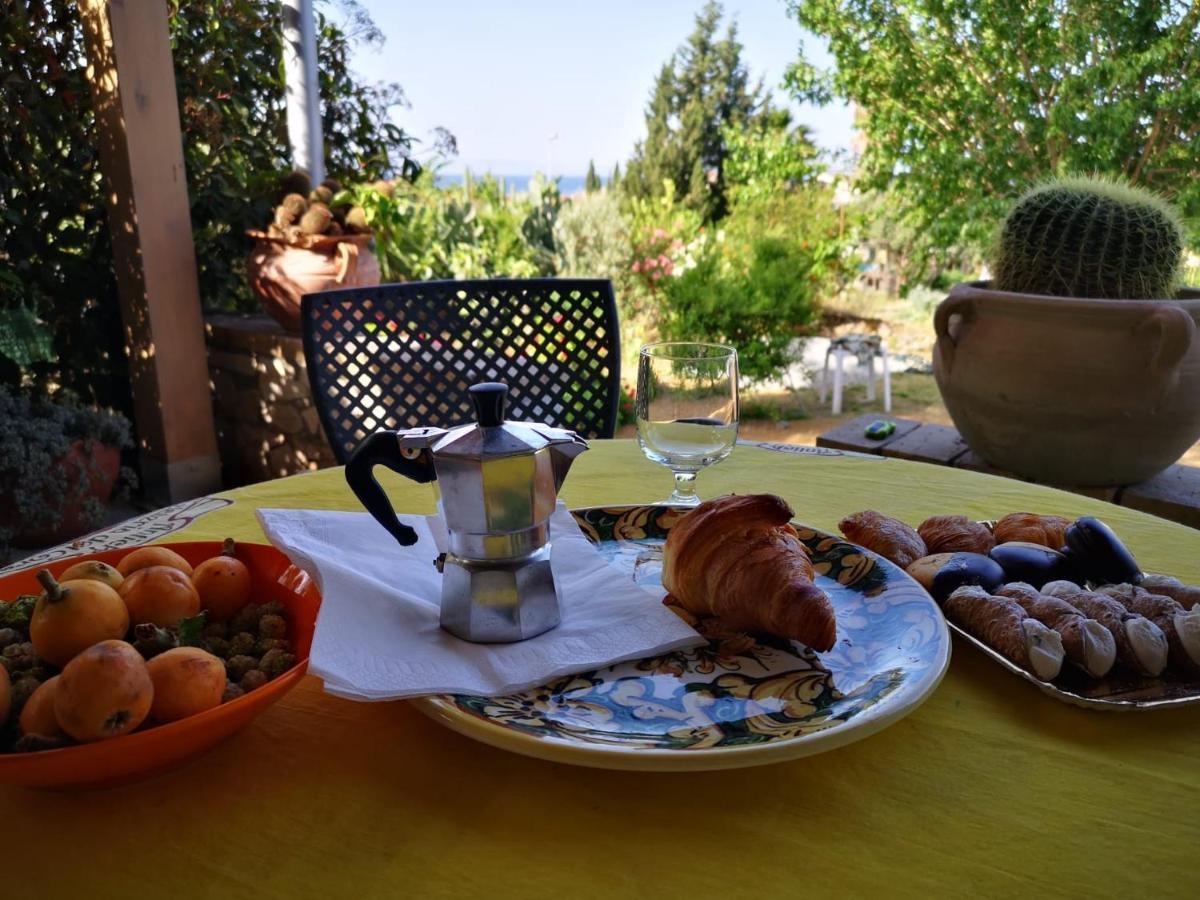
(755, 299)
(757, 283)
(591, 238)
(659, 231)
(38, 434)
(56, 277)
(472, 230)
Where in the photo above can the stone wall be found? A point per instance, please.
(267, 426)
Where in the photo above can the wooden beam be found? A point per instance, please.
(141, 153)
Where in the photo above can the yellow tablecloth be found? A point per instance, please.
(989, 788)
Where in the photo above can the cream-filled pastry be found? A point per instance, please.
(1087, 643)
(1003, 625)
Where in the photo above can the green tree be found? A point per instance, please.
(771, 157)
(964, 104)
(614, 180)
(702, 90)
(591, 183)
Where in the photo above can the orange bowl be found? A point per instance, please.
(163, 747)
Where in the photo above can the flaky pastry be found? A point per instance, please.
(739, 558)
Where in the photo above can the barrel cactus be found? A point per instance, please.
(295, 183)
(1090, 237)
(316, 220)
(300, 218)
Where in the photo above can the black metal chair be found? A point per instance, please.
(402, 355)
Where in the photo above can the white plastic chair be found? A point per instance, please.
(866, 348)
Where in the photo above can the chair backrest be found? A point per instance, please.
(403, 355)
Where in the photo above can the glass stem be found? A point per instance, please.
(685, 489)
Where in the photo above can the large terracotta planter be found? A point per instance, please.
(1071, 391)
(281, 273)
(86, 473)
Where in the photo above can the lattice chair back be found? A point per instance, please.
(403, 355)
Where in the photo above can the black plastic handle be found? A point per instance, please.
(490, 398)
(383, 449)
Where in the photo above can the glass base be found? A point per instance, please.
(685, 489)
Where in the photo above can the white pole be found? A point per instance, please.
(303, 97)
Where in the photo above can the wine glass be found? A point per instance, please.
(687, 409)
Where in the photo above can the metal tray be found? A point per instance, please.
(1119, 692)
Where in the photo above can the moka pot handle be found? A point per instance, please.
(383, 449)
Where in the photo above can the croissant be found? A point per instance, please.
(1049, 531)
(737, 558)
(955, 534)
(890, 538)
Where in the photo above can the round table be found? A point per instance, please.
(989, 788)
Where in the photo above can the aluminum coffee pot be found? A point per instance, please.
(498, 484)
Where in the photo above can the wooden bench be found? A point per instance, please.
(1172, 494)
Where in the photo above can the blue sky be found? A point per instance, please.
(505, 75)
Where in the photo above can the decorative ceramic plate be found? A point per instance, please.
(740, 700)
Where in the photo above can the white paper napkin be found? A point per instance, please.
(378, 636)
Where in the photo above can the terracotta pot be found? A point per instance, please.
(97, 472)
(281, 273)
(1071, 391)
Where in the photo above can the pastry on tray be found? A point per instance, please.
(1086, 642)
(1187, 595)
(955, 534)
(1180, 625)
(1049, 531)
(738, 558)
(890, 538)
(1141, 645)
(1002, 583)
(1007, 628)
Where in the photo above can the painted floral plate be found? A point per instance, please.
(741, 700)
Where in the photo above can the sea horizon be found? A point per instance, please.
(519, 184)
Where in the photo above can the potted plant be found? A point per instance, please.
(59, 464)
(1079, 363)
(313, 244)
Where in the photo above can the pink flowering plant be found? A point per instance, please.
(654, 255)
(626, 405)
(659, 233)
